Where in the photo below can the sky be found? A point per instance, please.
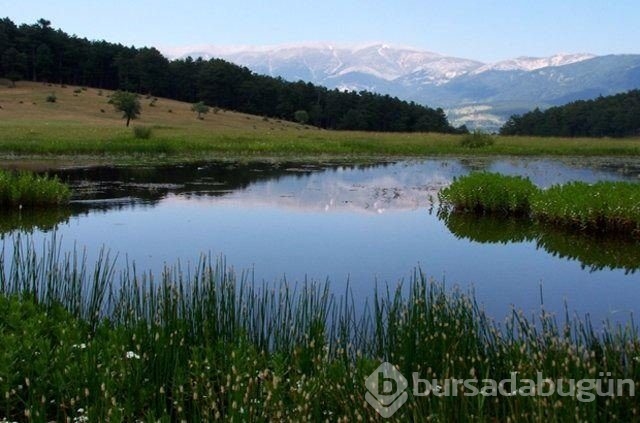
(484, 30)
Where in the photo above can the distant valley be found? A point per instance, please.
(471, 92)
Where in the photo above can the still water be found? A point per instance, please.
(368, 225)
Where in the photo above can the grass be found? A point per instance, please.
(203, 344)
(603, 207)
(25, 189)
(85, 125)
(484, 192)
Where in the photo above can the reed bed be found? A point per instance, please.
(603, 207)
(484, 192)
(25, 189)
(84, 343)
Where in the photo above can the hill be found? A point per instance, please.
(82, 128)
(25, 106)
(41, 54)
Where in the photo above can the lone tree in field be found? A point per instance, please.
(200, 108)
(127, 103)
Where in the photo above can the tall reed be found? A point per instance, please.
(204, 343)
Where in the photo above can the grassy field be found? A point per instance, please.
(81, 123)
(82, 344)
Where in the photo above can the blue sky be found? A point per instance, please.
(486, 30)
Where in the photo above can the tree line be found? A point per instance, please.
(37, 52)
(612, 116)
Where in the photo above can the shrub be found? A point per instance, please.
(51, 98)
(477, 139)
(77, 91)
(301, 116)
(142, 132)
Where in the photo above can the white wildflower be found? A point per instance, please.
(131, 354)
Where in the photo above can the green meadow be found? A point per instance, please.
(81, 125)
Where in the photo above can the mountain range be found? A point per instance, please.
(471, 92)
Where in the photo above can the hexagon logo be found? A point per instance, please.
(386, 390)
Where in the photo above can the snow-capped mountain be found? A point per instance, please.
(328, 64)
(472, 92)
(533, 63)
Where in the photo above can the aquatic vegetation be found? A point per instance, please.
(603, 207)
(26, 189)
(204, 343)
(485, 192)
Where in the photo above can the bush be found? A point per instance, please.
(77, 91)
(301, 116)
(51, 98)
(142, 132)
(477, 139)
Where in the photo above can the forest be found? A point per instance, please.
(38, 52)
(612, 116)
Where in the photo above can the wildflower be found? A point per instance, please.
(131, 354)
(81, 346)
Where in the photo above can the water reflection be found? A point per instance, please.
(365, 224)
(593, 252)
(319, 187)
(28, 221)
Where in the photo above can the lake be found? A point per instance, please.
(362, 224)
